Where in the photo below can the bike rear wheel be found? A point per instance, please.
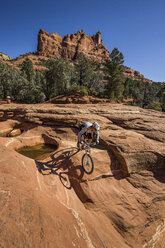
(87, 163)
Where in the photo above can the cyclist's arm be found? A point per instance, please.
(83, 130)
(97, 137)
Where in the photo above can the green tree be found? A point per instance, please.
(38, 77)
(114, 75)
(163, 101)
(156, 105)
(29, 93)
(84, 70)
(144, 94)
(4, 80)
(27, 69)
(161, 96)
(89, 75)
(17, 83)
(58, 77)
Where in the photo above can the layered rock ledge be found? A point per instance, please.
(136, 136)
(53, 203)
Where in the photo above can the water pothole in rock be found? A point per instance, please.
(37, 152)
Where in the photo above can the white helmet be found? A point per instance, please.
(96, 126)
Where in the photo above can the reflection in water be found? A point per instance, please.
(37, 152)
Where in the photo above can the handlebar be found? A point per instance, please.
(88, 144)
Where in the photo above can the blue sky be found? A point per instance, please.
(135, 27)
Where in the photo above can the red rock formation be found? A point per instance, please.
(135, 135)
(4, 56)
(53, 203)
(71, 45)
(128, 72)
(54, 46)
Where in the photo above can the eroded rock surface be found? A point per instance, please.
(135, 135)
(78, 98)
(52, 203)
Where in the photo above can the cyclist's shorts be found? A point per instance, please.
(88, 135)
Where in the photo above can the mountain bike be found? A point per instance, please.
(87, 161)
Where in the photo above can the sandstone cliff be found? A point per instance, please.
(53, 45)
(52, 203)
(130, 73)
(4, 56)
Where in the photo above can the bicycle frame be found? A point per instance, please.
(86, 147)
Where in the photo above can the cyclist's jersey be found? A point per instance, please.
(85, 125)
(86, 129)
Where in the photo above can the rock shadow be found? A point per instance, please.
(118, 164)
(159, 174)
(69, 174)
(25, 126)
(61, 165)
(115, 166)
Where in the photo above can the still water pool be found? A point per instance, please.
(37, 152)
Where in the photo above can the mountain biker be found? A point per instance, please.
(89, 131)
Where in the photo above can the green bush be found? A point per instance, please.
(156, 105)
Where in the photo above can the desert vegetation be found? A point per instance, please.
(62, 77)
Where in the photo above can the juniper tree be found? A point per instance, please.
(114, 75)
(27, 69)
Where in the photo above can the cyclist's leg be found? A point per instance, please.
(79, 137)
(89, 137)
(79, 145)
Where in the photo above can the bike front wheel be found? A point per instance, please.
(87, 163)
